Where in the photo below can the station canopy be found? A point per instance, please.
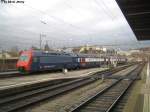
(137, 13)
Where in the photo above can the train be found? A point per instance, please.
(34, 61)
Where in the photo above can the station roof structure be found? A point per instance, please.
(137, 13)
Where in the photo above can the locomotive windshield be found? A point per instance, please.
(23, 58)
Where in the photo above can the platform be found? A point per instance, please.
(146, 91)
(21, 81)
(9, 72)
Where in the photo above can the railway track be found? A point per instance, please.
(105, 100)
(15, 100)
(10, 74)
(29, 86)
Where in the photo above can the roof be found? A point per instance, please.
(137, 13)
(5, 55)
(51, 53)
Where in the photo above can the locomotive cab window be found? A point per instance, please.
(23, 58)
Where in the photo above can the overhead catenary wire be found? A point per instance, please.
(60, 20)
(104, 6)
(76, 27)
(37, 32)
(54, 18)
(113, 17)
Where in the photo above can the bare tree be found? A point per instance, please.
(34, 48)
(46, 47)
(14, 51)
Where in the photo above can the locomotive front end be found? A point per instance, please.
(24, 62)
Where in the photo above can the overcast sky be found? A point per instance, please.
(65, 23)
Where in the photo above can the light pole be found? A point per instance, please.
(99, 57)
(3, 60)
(40, 42)
(41, 35)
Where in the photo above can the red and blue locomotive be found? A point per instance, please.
(34, 61)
